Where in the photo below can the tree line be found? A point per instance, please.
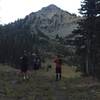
(88, 38)
(17, 37)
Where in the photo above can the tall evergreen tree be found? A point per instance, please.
(87, 31)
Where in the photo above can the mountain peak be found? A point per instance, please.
(52, 20)
(51, 8)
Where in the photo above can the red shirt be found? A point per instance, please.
(57, 62)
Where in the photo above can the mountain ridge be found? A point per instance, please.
(52, 20)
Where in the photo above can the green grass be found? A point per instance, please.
(42, 85)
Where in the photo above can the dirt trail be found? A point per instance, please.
(58, 91)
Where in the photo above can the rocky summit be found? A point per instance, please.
(51, 20)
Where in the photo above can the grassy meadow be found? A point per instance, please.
(43, 86)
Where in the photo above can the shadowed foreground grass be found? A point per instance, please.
(42, 86)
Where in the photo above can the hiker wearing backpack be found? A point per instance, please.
(24, 66)
(36, 61)
(58, 67)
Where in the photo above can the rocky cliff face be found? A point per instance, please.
(51, 21)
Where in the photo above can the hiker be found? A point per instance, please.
(35, 61)
(38, 62)
(58, 64)
(24, 66)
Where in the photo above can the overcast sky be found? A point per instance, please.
(11, 10)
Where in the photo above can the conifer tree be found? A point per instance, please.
(86, 29)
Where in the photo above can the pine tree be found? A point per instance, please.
(87, 31)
